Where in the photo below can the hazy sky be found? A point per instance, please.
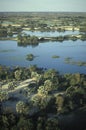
(43, 5)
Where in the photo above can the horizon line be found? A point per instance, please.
(42, 11)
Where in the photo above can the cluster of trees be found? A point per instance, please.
(71, 37)
(27, 40)
(9, 30)
(13, 122)
(3, 32)
(34, 41)
(51, 94)
(17, 73)
(83, 28)
(13, 30)
(41, 22)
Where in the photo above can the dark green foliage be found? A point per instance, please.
(47, 96)
(52, 124)
(83, 28)
(3, 95)
(41, 123)
(25, 124)
(3, 32)
(27, 40)
(30, 57)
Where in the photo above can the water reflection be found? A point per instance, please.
(76, 50)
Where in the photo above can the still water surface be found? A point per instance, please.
(11, 55)
(50, 34)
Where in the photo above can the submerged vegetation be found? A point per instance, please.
(69, 60)
(8, 50)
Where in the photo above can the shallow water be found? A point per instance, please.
(11, 55)
(49, 34)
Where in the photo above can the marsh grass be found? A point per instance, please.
(69, 60)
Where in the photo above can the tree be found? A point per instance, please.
(19, 37)
(52, 124)
(3, 96)
(36, 76)
(59, 103)
(39, 101)
(36, 100)
(42, 90)
(76, 95)
(25, 124)
(75, 79)
(50, 74)
(5, 122)
(27, 40)
(41, 123)
(46, 88)
(18, 74)
(3, 32)
(22, 108)
(3, 72)
(48, 85)
(32, 68)
(11, 85)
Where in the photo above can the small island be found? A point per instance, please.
(30, 57)
(55, 56)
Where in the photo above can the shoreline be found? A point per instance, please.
(58, 38)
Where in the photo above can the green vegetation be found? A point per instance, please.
(9, 30)
(83, 28)
(3, 32)
(3, 96)
(34, 98)
(55, 56)
(39, 94)
(27, 40)
(44, 22)
(30, 57)
(22, 108)
(69, 60)
(34, 41)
